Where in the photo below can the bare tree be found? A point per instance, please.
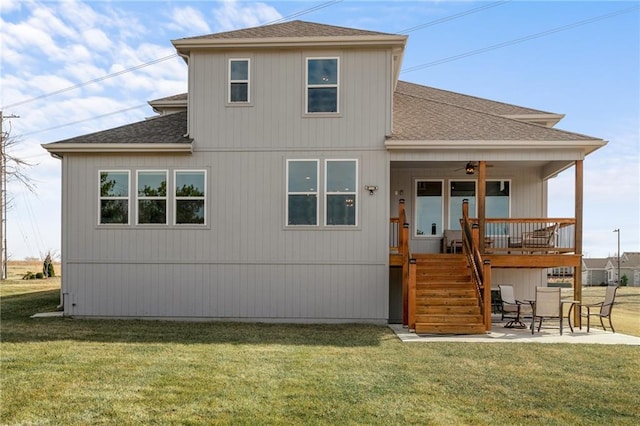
(12, 168)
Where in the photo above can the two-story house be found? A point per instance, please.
(271, 191)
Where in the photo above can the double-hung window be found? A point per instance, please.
(190, 200)
(114, 197)
(322, 85)
(152, 197)
(340, 192)
(239, 80)
(337, 194)
(302, 192)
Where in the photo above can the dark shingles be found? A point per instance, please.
(158, 130)
(288, 29)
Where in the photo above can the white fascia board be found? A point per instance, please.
(586, 146)
(184, 46)
(120, 148)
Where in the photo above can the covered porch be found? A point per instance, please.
(487, 245)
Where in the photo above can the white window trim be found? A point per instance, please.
(308, 86)
(327, 193)
(128, 197)
(316, 193)
(415, 208)
(248, 81)
(165, 198)
(177, 198)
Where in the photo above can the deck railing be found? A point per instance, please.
(480, 270)
(529, 236)
(396, 235)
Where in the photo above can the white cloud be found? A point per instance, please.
(8, 6)
(188, 19)
(233, 15)
(97, 39)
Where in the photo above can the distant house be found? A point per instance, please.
(629, 266)
(594, 271)
(298, 177)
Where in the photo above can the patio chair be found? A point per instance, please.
(539, 240)
(512, 309)
(547, 305)
(605, 308)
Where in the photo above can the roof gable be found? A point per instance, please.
(292, 29)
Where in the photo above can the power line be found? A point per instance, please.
(519, 40)
(156, 61)
(452, 17)
(304, 12)
(95, 80)
(84, 120)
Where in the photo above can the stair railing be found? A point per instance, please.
(480, 270)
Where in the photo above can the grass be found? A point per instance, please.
(67, 371)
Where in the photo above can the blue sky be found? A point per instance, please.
(579, 58)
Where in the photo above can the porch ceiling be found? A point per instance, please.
(548, 169)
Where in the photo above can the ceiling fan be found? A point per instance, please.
(470, 167)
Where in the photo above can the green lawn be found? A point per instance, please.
(66, 371)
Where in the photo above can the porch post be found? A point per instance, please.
(577, 270)
(482, 192)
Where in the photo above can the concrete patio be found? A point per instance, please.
(549, 333)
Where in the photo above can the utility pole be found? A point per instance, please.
(3, 199)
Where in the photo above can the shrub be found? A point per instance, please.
(39, 275)
(28, 276)
(47, 267)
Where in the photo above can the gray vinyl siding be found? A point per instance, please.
(275, 118)
(245, 263)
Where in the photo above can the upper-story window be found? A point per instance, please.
(322, 91)
(114, 197)
(239, 78)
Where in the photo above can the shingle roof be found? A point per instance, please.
(465, 101)
(631, 259)
(288, 29)
(595, 263)
(180, 97)
(418, 118)
(164, 129)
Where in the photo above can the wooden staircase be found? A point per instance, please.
(446, 300)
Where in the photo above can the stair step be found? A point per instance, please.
(445, 292)
(449, 318)
(448, 309)
(446, 301)
(427, 328)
